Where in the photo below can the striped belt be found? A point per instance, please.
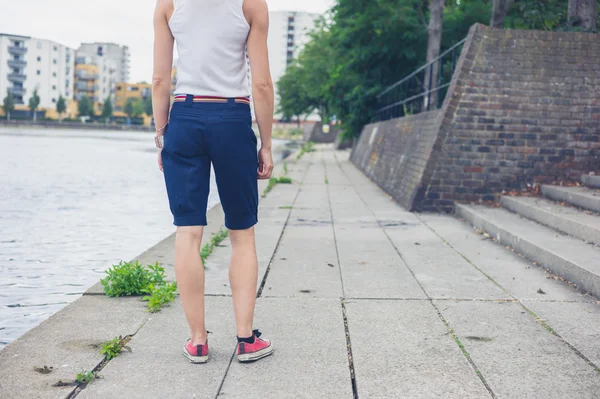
(210, 99)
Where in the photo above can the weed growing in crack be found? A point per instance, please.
(161, 296)
(85, 377)
(307, 147)
(212, 244)
(113, 348)
(130, 279)
(273, 181)
(285, 167)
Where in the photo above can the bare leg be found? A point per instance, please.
(243, 276)
(190, 279)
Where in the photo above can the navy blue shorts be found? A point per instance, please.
(201, 133)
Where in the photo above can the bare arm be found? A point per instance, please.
(163, 64)
(257, 13)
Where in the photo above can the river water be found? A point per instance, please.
(72, 203)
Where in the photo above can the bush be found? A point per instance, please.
(129, 279)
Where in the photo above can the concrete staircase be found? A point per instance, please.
(561, 232)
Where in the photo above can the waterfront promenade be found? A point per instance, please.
(360, 298)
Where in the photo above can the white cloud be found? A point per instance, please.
(126, 22)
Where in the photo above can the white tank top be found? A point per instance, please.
(211, 40)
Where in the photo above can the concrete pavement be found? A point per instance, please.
(360, 298)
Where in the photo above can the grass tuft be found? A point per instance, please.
(213, 243)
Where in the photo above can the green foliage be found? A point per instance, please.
(85, 377)
(134, 107)
(161, 295)
(34, 101)
(113, 348)
(212, 244)
(285, 167)
(273, 181)
(148, 106)
(127, 279)
(544, 15)
(85, 107)
(284, 180)
(307, 147)
(107, 108)
(8, 105)
(61, 105)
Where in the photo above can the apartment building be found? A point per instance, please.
(112, 62)
(124, 91)
(28, 63)
(288, 33)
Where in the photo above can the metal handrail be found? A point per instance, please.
(415, 88)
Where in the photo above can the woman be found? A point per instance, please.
(210, 123)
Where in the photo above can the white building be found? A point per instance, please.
(27, 64)
(288, 33)
(112, 60)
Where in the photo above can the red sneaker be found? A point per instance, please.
(196, 353)
(247, 352)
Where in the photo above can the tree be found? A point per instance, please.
(500, 9)
(291, 89)
(134, 107)
(85, 107)
(61, 107)
(148, 106)
(9, 104)
(107, 108)
(434, 43)
(582, 13)
(34, 103)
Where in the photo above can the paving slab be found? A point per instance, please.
(156, 367)
(569, 220)
(312, 196)
(316, 170)
(335, 175)
(515, 274)
(401, 349)
(282, 195)
(584, 197)
(371, 267)
(516, 355)
(302, 264)
(68, 342)
(320, 371)
(565, 256)
(441, 271)
(577, 323)
(591, 180)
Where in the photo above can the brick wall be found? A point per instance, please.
(523, 108)
(394, 153)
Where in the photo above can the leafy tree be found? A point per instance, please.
(61, 106)
(34, 103)
(107, 108)
(85, 107)
(134, 107)
(499, 10)
(291, 89)
(148, 106)
(9, 104)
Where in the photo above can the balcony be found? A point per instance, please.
(17, 50)
(18, 91)
(87, 76)
(16, 77)
(17, 63)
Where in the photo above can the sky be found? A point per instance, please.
(126, 22)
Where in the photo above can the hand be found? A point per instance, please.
(265, 163)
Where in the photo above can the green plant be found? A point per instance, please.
(128, 279)
(307, 147)
(272, 183)
(285, 167)
(214, 242)
(326, 181)
(284, 180)
(112, 348)
(161, 295)
(85, 377)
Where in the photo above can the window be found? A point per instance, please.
(54, 100)
(39, 59)
(54, 62)
(53, 74)
(39, 72)
(54, 87)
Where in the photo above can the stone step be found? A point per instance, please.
(583, 197)
(564, 256)
(591, 180)
(567, 219)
